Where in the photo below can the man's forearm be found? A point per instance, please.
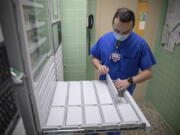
(96, 63)
(143, 76)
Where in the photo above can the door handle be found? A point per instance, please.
(17, 76)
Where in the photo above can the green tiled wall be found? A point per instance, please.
(89, 66)
(73, 19)
(164, 88)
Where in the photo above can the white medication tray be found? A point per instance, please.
(92, 106)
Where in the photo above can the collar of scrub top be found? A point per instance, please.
(118, 42)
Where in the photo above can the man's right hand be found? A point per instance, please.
(102, 69)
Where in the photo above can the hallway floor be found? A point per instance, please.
(158, 126)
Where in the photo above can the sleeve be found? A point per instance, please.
(147, 59)
(95, 50)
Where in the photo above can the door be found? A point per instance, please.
(36, 47)
(106, 10)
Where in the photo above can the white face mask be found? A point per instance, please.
(120, 37)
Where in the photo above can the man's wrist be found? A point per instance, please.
(130, 80)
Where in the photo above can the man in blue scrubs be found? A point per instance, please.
(122, 53)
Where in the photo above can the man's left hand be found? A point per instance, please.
(121, 84)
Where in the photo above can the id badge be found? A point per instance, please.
(115, 57)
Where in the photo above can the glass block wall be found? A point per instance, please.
(73, 16)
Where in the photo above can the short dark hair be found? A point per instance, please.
(124, 15)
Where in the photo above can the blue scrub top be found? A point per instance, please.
(126, 60)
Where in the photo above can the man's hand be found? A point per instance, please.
(102, 69)
(121, 84)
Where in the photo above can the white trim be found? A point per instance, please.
(32, 4)
(36, 25)
(55, 21)
(34, 46)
